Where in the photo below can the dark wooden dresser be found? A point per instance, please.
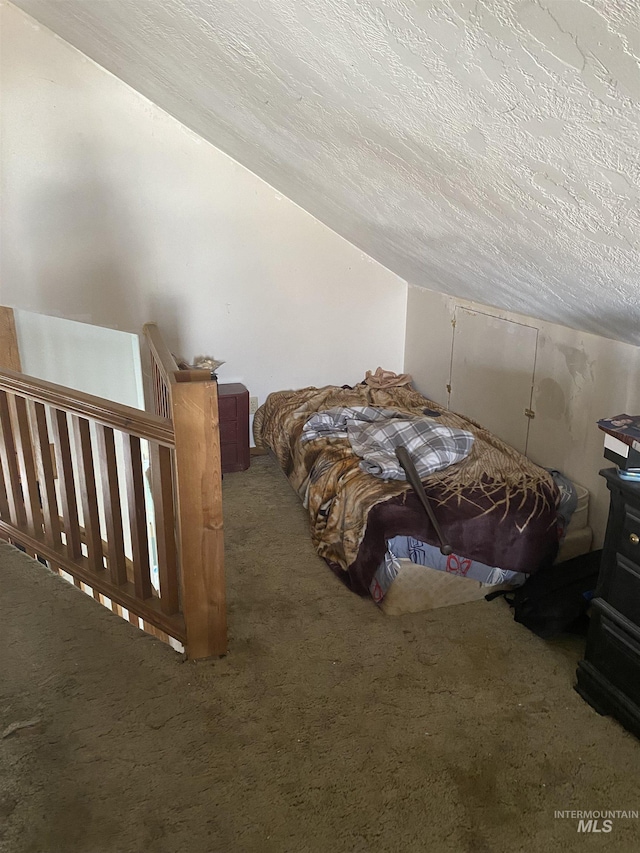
(609, 675)
(233, 411)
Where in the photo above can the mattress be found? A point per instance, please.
(581, 512)
(576, 542)
(417, 588)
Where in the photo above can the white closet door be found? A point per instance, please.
(492, 367)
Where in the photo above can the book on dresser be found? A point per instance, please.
(622, 441)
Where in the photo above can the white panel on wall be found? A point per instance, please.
(492, 373)
(93, 359)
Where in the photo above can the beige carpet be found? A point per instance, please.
(329, 727)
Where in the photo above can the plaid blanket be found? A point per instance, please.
(333, 423)
(374, 435)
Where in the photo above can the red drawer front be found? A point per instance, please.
(229, 432)
(234, 457)
(230, 458)
(227, 408)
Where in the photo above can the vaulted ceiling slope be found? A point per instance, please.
(488, 149)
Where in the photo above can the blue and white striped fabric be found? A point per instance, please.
(374, 435)
(409, 548)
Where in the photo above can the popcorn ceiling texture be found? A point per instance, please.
(488, 149)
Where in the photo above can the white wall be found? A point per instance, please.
(578, 379)
(115, 214)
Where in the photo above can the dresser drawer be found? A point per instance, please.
(228, 432)
(227, 408)
(629, 541)
(613, 648)
(622, 591)
(231, 458)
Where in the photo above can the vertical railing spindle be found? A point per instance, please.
(112, 508)
(64, 468)
(26, 464)
(162, 489)
(46, 477)
(5, 513)
(88, 493)
(10, 472)
(137, 516)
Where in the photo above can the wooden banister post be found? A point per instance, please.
(9, 354)
(199, 499)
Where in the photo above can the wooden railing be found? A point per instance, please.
(72, 492)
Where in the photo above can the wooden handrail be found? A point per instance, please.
(45, 519)
(160, 350)
(115, 415)
(63, 474)
(165, 359)
(125, 595)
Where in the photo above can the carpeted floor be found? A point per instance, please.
(328, 727)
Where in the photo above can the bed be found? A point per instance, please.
(497, 510)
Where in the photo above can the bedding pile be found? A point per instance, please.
(374, 435)
(494, 505)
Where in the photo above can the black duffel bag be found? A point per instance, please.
(556, 598)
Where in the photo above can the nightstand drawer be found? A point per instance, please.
(230, 457)
(629, 542)
(228, 432)
(227, 408)
(622, 591)
(613, 648)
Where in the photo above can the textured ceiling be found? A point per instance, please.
(488, 149)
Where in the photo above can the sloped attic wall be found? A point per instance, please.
(115, 214)
(574, 378)
(482, 148)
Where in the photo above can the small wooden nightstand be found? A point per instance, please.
(233, 411)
